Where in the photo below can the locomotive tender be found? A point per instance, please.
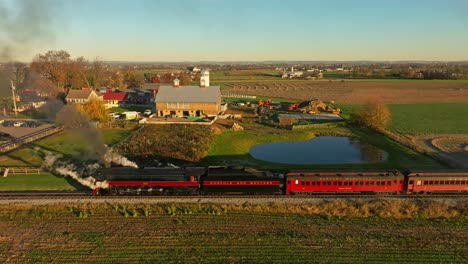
(241, 180)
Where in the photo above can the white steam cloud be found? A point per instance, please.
(52, 163)
(112, 157)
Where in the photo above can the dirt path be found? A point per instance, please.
(452, 148)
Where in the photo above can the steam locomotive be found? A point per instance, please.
(242, 180)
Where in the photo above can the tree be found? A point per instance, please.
(78, 73)
(167, 78)
(184, 79)
(53, 65)
(373, 114)
(94, 109)
(97, 73)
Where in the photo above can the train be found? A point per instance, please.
(231, 180)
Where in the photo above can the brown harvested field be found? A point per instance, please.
(358, 91)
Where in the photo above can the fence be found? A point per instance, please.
(19, 170)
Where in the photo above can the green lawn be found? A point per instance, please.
(429, 118)
(114, 136)
(74, 144)
(36, 182)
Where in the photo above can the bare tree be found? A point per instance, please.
(53, 65)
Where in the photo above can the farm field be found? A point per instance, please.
(429, 118)
(439, 127)
(177, 233)
(357, 91)
(239, 75)
(36, 182)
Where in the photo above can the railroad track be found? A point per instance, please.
(88, 195)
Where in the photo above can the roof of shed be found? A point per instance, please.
(80, 94)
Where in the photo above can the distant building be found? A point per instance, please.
(82, 96)
(292, 73)
(182, 101)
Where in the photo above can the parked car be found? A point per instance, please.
(114, 115)
(5, 136)
(147, 112)
(8, 123)
(30, 124)
(18, 123)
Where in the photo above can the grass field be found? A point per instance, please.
(429, 118)
(68, 143)
(242, 75)
(35, 182)
(174, 233)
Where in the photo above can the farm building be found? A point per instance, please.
(114, 99)
(181, 101)
(82, 96)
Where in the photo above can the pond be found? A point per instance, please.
(319, 150)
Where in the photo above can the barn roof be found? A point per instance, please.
(189, 94)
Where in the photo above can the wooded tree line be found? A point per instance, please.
(66, 72)
(56, 71)
(168, 78)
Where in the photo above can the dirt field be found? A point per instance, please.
(358, 91)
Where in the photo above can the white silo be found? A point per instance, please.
(205, 78)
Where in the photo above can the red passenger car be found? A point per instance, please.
(437, 181)
(344, 181)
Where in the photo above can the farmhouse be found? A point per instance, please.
(114, 99)
(182, 101)
(82, 96)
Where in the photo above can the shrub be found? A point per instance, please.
(373, 114)
(183, 142)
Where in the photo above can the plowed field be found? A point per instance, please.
(214, 235)
(357, 91)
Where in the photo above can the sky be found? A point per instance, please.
(249, 30)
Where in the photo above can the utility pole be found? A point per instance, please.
(13, 88)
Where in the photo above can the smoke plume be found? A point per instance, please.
(24, 26)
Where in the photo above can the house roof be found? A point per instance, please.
(188, 94)
(115, 96)
(80, 94)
